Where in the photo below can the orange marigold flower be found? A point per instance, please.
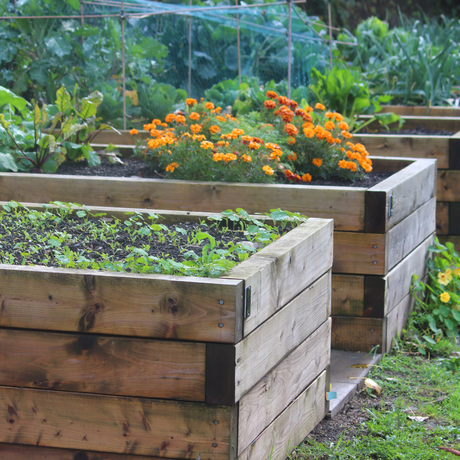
(237, 132)
(292, 156)
(360, 148)
(308, 125)
(224, 120)
(194, 116)
(291, 130)
(221, 143)
(148, 127)
(329, 125)
(214, 129)
(293, 104)
(172, 166)
(291, 140)
(190, 102)
(309, 132)
(165, 125)
(246, 158)
(218, 157)
(276, 154)
(317, 162)
(199, 137)
(270, 104)
(272, 146)
(229, 157)
(343, 126)
(209, 105)
(271, 94)
(319, 106)
(309, 109)
(207, 145)
(329, 115)
(267, 170)
(338, 117)
(170, 118)
(217, 110)
(283, 100)
(180, 119)
(196, 128)
(254, 145)
(306, 178)
(133, 132)
(347, 135)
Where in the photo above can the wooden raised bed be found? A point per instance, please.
(149, 366)
(375, 229)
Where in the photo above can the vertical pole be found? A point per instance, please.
(238, 44)
(190, 54)
(82, 21)
(289, 49)
(330, 34)
(123, 61)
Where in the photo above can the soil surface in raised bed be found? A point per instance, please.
(419, 131)
(133, 167)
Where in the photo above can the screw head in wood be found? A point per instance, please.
(221, 324)
(221, 302)
(214, 444)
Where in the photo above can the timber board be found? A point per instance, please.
(357, 333)
(454, 239)
(142, 305)
(21, 452)
(404, 145)
(116, 424)
(343, 204)
(375, 253)
(375, 296)
(448, 186)
(278, 272)
(442, 218)
(102, 364)
(450, 123)
(393, 199)
(422, 111)
(292, 426)
(454, 151)
(279, 387)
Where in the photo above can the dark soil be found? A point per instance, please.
(419, 131)
(134, 167)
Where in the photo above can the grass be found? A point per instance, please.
(412, 386)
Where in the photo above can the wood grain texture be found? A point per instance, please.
(404, 191)
(442, 218)
(347, 295)
(399, 279)
(408, 234)
(121, 425)
(357, 334)
(343, 204)
(447, 123)
(391, 145)
(266, 346)
(18, 452)
(454, 151)
(359, 253)
(421, 111)
(276, 390)
(448, 186)
(293, 424)
(167, 307)
(124, 138)
(280, 271)
(103, 364)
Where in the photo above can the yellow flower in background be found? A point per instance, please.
(267, 170)
(444, 297)
(207, 145)
(448, 273)
(443, 279)
(171, 167)
(456, 272)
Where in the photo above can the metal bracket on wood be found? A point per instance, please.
(247, 302)
(390, 206)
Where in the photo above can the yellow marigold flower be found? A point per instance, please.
(246, 158)
(229, 157)
(444, 297)
(172, 166)
(209, 105)
(207, 145)
(214, 129)
(292, 156)
(170, 118)
(224, 120)
(456, 272)
(317, 162)
(319, 106)
(347, 135)
(343, 126)
(218, 157)
(271, 94)
(272, 146)
(186, 135)
(190, 102)
(270, 104)
(329, 125)
(254, 145)
(194, 116)
(448, 273)
(199, 138)
(196, 128)
(133, 132)
(291, 140)
(267, 170)
(180, 119)
(443, 279)
(306, 178)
